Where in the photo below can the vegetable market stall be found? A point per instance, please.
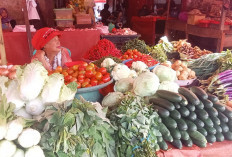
(78, 42)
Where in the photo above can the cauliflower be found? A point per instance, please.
(170, 86)
(139, 66)
(108, 62)
(120, 71)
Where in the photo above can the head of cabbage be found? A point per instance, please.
(165, 73)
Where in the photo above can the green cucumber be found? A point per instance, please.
(177, 105)
(207, 103)
(220, 137)
(184, 135)
(184, 111)
(211, 138)
(218, 128)
(198, 138)
(162, 103)
(191, 125)
(175, 114)
(219, 106)
(163, 145)
(191, 107)
(175, 133)
(216, 120)
(188, 143)
(163, 129)
(222, 117)
(228, 135)
(200, 93)
(208, 122)
(168, 95)
(228, 112)
(159, 139)
(211, 130)
(181, 124)
(200, 106)
(212, 98)
(184, 101)
(161, 111)
(177, 143)
(225, 127)
(169, 122)
(203, 131)
(168, 138)
(201, 114)
(192, 116)
(212, 112)
(189, 95)
(199, 123)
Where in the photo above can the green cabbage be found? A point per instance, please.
(165, 73)
(68, 92)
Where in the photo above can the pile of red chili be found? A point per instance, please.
(103, 48)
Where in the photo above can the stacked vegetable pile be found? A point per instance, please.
(137, 44)
(103, 48)
(16, 138)
(192, 117)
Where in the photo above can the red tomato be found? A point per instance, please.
(87, 80)
(106, 78)
(81, 72)
(89, 74)
(80, 76)
(80, 80)
(75, 74)
(89, 85)
(84, 84)
(59, 69)
(75, 67)
(73, 79)
(98, 75)
(67, 78)
(70, 71)
(81, 68)
(85, 64)
(101, 82)
(78, 84)
(93, 82)
(89, 68)
(102, 70)
(65, 73)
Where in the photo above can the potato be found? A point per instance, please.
(192, 74)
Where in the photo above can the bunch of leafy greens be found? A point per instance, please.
(140, 45)
(158, 52)
(225, 61)
(79, 130)
(137, 129)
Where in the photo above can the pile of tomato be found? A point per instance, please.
(84, 74)
(135, 55)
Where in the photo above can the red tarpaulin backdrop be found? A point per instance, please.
(100, 1)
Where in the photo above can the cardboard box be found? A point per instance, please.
(83, 19)
(63, 13)
(194, 19)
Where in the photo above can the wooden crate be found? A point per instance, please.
(194, 19)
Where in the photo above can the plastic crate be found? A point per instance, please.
(64, 22)
(194, 19)
(83, 19)
(63, 13)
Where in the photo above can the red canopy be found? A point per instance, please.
(100, 1)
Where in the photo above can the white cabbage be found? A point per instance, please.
(165, 73)
(170, 86)
(124, 85)
(35, 107)
(32, 81)
(51, 90)
(68, 92)
(146, 84)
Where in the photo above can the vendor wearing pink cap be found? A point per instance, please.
(48, 50)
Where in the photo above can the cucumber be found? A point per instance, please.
(159, 139)
(191, 107)
(163, 145)
(201, 114)
(200, 106)
(224, 127)
(175, 114)
(169, 122)
(203, 131)
(200, 93)
(228, 135)
(211, 138)
(163, 129)
(192, 116)
(184, 111)
(222, 117)
(177, 105)
(216, 120)
(184, 135)
(161, 111)
(211, 130)
(219, 106)
(168, 95)
(207, 103)
(208, 122)
(177, 143)
(181, 124)
(199, 123)
(188, 143)
(198, 138)
(212, 98)
(228, 112)
(218, 128)
(184, 101)
(189, 95)
(162, 103)
(175, 133)
(220, 137)
(168, 138)
(191, 125)
(212, 112)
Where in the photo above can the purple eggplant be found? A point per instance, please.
(227, 79)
